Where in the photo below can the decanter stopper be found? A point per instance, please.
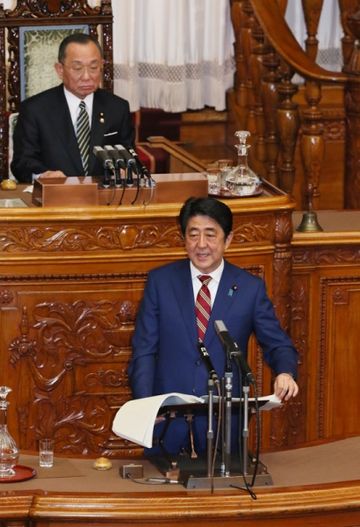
(9, 452)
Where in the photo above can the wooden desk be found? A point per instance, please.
(82, 496)
(71, 280)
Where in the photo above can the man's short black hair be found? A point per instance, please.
(211, 207)
(76, 38)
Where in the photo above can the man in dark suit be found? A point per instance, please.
(165, 355)
(45, 140)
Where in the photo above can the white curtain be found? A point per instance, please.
(178, 54)
(173, 54)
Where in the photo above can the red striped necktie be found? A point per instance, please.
(203, 306)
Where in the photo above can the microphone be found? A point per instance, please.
(208, 363)
(130, 165)
(142, 168)
(115, 156)
(126, 156)
(103, 156)
(232, 348)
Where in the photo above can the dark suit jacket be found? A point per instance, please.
(44, 136)
(165, 356)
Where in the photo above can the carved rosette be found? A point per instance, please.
(6, 297)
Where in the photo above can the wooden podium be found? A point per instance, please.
(88, 191)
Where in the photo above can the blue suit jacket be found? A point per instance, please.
(165, 355)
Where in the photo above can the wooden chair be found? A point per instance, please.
(29, 38)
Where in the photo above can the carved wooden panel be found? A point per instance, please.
(338, 384)
(70, 286)
(325, 330)
(68, 346)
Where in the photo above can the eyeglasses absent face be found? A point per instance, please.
(81, 69)
(205, 243)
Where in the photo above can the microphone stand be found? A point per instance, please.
(228, 404)
(118, 182)
(129, 176)
(210, 430)
(245, 428)
(137, 186)
(107, 177)
(245, 433)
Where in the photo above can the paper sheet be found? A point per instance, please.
(135, 420)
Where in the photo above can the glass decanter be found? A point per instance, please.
(241, 180)
(9, 452)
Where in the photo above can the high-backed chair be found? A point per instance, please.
(29, 39)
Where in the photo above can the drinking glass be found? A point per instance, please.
(46, 453)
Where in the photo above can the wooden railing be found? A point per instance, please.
(291, 123)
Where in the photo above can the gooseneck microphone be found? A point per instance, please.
(208, 363)
(233, 350)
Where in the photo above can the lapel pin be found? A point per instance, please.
(102, 118)
(232, 290)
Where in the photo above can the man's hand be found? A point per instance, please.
(49, 174)
(285, 386)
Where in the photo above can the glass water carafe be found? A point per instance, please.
(241, 180)
(9, 452)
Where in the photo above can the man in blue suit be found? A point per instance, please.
(165, 354)
(45, 134)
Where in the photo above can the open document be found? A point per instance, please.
(135, 420)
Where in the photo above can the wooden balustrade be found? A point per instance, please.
(296, 122)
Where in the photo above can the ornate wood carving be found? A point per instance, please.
(312, 11)
(347, 8)
(52, 8)
(326, 255)
(241, 108)
(6, 296)
(119, 236)
(316, 164)
(270, 96)
(288, 124)
(71, 357)
(253, 230)
(122, 237)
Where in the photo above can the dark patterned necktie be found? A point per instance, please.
(83, 136)
(203, 306)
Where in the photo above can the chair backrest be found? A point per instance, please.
(29, 39)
